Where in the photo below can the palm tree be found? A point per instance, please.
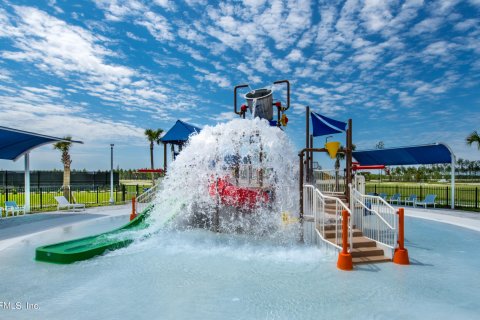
(153, 137)
(64, 148)
(473, 138)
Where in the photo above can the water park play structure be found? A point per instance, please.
(244, 177)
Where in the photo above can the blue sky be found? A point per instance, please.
(406, 72)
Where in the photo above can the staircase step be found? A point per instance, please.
(366, 252)
(374, 259)
(362, 242)
(331, 233)
(329, 227)
(357, 242)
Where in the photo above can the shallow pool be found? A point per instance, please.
(201, 275)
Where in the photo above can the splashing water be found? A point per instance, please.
(246, 156)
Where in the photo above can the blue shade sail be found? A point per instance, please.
(179, 133)
(422, 154)
(323, 126)
(15, 143)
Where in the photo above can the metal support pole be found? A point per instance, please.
(348, 157)
(307, 137)
(111, 174)
(301, 185)
(453, 181)
(27, 182)
(311, 156)
(164, 158)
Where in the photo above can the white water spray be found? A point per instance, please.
(246, 154)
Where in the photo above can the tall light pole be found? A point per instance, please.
(111, 174)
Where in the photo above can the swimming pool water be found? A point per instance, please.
(201, 275)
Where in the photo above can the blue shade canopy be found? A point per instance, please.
(179, 133)
(323, 126)
(15, 143)
(423, 154)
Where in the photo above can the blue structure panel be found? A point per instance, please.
(14, 143)
(323, 126)
(179, 133)
(413, 155)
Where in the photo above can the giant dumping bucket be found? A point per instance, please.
(264, 103)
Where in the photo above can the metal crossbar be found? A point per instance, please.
(314, 207)
(375, 217)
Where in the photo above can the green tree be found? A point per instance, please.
(64, 148)
(473, 138)
(380, 145)
(153, 136)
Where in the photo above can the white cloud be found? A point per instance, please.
(134, 37)
(376, 14)
(156, 24)
(439, 48)
(295, 56)
(55, 46)
(466, 24)
(166, 4)
(315, 90)
(428, 25)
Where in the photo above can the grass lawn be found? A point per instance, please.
(45, 200)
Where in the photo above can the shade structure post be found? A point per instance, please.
(165, 158)
(307, 141)
(111, 174)
(452, 181)
(27, 182)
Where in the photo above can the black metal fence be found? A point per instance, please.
(55, 178)
(465, 196)
(43, 198)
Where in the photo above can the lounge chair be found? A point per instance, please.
(11, 206)
(429, 199)
(383, 196)
(395, 198)
(411, 199)
(63, 203)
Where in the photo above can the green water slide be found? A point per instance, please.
(89, 247)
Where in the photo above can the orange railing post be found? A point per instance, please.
(401, 254)
(344, 261)
(133, 215)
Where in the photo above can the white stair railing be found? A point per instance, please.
(314, 207)
(375, 218)
(144, 199)
(329, 181)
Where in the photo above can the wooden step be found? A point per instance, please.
(374, 259)
(329, 227)
(366, 252)
(331, 233)
(357, 242)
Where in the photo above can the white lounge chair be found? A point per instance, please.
(11, 206)
(429, 199)
(63, 203)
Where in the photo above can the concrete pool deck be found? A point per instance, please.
(15, 229)
(465, 219)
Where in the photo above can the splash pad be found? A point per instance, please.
(236, 177)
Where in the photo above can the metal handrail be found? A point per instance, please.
(330, 180)
(375, 217)
(146, 197)
(312, 199)
(373, 210)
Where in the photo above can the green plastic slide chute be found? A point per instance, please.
(89, 247)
